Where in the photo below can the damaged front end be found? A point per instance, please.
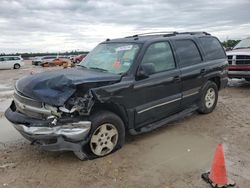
(53, 128)
(52, 108)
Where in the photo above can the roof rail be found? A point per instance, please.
(169, 33)
(152, 33)
(194, 33)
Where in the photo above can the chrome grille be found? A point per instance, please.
(19, 98)
(238, 59)
(229, 58)
(26, 100)
(242, 60)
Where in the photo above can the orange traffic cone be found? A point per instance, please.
(217, 177)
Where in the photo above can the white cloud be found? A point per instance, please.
(53, 25)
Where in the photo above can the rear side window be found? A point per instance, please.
(16, 58)
(187, 52)
(212, 48)
(160, 56)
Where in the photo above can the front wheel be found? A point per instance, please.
(107, 134)
(209, 98)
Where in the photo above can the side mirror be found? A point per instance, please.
(145, 70)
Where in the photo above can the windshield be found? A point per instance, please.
(243, 44)
(111, 57)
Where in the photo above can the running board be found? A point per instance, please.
(162, 122)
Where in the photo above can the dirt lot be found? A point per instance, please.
(173, 156)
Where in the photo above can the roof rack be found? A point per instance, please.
(168, 33)
(194, 33)
(152, 33)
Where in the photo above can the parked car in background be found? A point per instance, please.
(239, 60)
(46, 60)
(130, 85)
(71, 57)
(77, 59)
(59, 61)
(37, 61)
(9, 62)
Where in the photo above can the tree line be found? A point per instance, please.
(230, 43)
(28, 55)
(227, 44)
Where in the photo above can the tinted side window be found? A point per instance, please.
(16, 58)
(1, 59)
(8, 58)
(160, 56)
(212, 48)
(188, 53)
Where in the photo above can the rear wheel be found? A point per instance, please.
(209, 98)
(17, 66)
(107, 134)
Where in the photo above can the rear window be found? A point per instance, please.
(188, 53)
(212, 48)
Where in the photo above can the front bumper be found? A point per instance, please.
(68, 134)
(239, 74)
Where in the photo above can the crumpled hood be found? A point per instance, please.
(55, 87)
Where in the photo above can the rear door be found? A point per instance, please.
(159, 95)
(192, 69)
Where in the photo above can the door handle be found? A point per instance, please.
(203, 71)
(177, 79)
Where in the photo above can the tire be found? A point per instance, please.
(101, 138)
(209, 98)
(17, 66)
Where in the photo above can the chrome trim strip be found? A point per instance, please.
(158, 105)
(243, 73)
(75, 131)
(35, 109)
(21, 96)
(191, 94)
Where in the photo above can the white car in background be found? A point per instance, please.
(9, 62)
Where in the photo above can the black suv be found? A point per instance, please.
(124, 86)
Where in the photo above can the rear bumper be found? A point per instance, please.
(66, 135)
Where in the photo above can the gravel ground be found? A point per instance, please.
(173, 156)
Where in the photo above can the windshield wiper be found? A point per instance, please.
(97, 68)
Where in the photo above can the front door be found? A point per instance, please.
(159, 95)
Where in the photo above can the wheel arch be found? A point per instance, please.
(117, 109)
(216, 80)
